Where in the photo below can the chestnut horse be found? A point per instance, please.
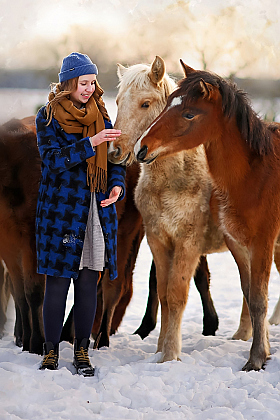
(19, 181)
(243, 154)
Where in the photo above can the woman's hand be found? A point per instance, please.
(114, 195)
(108, 134)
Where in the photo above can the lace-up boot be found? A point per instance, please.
(81, 359)
(50, 360)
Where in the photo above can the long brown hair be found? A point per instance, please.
(64, 89)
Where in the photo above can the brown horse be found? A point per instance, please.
(19, 180)
(243, 154)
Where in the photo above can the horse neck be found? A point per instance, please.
(228, 158)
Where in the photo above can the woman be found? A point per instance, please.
(76, 222)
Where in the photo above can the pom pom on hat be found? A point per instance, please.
(75, 65)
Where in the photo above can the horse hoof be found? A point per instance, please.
(243, 335)
(18, 342)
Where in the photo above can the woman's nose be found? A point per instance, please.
(90, 88)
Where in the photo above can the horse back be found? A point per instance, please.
(19, 174)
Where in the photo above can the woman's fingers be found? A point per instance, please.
(108, 134)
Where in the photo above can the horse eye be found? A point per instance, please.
(188, 116)
(145, 105)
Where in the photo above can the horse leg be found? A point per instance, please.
(183, 268)
(4, 296)
(244, 331)
(161, 256)
(18, 330)
(275, 317)
(261, 260)
(22, 313)
(121, 308)
(241, 257)
(112, 291)
(150, 318)
(34, 288)
(202, 282)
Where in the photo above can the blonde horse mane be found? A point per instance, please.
(138, 75)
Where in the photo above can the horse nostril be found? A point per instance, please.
(118, 152)
(142, 153)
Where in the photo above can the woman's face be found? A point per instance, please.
(85, 88)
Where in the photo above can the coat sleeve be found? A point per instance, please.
(116, 173)
(116, 177)
(54, 156)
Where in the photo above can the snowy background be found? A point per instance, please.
(129, 384)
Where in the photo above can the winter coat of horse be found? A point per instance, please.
(64, 200)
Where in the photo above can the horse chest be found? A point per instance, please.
(171, 209)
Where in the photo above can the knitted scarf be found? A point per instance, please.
(88, 121)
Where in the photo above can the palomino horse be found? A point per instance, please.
(243, 154)
(172, 196)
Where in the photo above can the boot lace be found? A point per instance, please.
(50, 359)
(82, 356)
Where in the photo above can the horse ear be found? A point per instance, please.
(208, 91)
(157, 70)
(187, 70)
(120, 70)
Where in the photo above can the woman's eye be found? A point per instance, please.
(188, 116)
(145, 105)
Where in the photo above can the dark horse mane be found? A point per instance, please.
(235, 103)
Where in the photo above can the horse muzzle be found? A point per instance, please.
(141, 156)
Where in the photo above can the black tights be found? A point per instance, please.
(85, 291)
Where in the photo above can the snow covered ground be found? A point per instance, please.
(129, 384)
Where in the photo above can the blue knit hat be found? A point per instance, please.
(75, 65)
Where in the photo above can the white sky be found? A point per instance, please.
(22, 20)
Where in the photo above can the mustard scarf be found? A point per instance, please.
(88, 121)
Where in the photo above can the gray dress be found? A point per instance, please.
(93, 255)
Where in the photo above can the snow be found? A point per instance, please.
(129, 383)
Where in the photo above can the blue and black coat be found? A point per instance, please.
(64, 200)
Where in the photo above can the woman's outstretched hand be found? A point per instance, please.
(108, 134)
(114, 195)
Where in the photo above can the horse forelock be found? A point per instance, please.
(235, 103)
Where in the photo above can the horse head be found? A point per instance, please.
(143, 92)
(190, 118)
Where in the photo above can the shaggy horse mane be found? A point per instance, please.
(235, 103)
(138, 75)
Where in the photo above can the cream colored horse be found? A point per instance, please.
(173, 196)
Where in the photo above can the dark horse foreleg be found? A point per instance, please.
(34, 289)
(149, 320)
(202, 282)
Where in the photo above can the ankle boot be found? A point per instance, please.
(50, 360)
(81, 360)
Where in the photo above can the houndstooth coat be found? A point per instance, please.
(64, 200)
